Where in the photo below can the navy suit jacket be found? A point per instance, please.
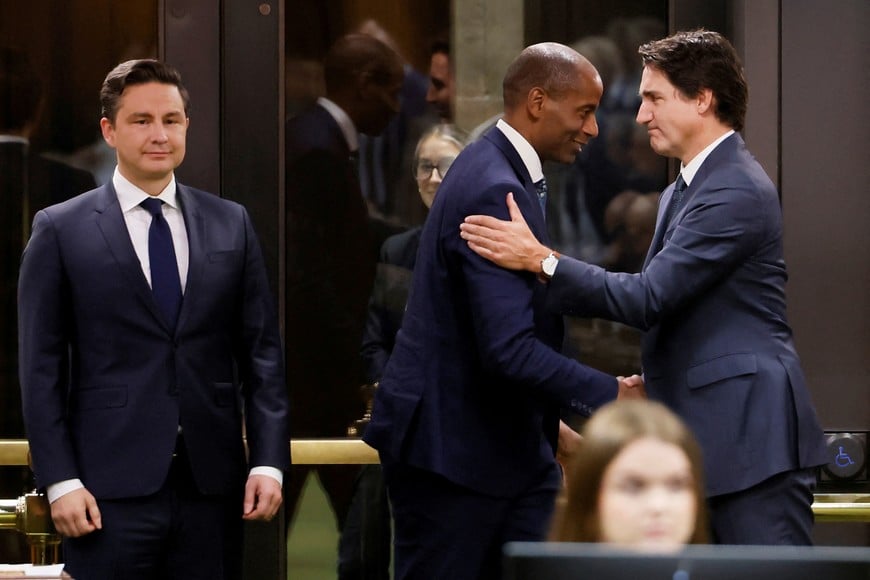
(331, 255)
(475, 382)
(711, 297)
(106, 383)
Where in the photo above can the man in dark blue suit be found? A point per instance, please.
(332, 247)
(711, 296)
(466, 417)
(147, 335)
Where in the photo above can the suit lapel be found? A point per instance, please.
(658, 237)
(726, 149)
(536, 221)
(111, 223)
(195, 225)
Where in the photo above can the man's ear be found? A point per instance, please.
(706, 101)
(108, 131)
(535, 102)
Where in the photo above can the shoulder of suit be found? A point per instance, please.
(204, 198)
(88, 200)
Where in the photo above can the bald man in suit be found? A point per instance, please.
(466, 417)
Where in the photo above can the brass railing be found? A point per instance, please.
(30, 515)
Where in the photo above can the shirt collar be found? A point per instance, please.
(524, 148)
(688, 171)
(129, 196)
(345, 123)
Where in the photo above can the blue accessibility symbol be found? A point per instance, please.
(842, 459)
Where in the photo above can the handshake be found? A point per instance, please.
(631, 388)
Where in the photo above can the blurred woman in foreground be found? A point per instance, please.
(636, 481)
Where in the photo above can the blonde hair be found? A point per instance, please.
(444, 131)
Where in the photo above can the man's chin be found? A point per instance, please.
(569, 158)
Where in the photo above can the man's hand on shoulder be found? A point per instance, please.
(510, 244)
(76, 513)
(262, 498)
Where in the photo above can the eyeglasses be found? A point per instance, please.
(425, 167)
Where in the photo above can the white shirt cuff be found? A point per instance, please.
(57, 490)
(272, 472)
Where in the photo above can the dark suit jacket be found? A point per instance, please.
(389, 298)
(106, 384)
(331, 256)
(473, 388)
(711, 297)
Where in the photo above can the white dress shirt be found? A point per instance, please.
(527, 153)
(688, 171)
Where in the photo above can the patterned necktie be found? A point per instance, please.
(165, 281)
(677, 198)
(541, 188)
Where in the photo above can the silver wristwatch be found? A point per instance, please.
(548, 265)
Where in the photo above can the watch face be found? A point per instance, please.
(548, 265)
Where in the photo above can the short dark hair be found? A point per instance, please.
(548, 65)
(702, 59)
(138, 72)
(440, 46)
(355, 54)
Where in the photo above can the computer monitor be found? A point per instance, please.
(567, 561)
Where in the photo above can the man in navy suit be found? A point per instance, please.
(466, 417)
(134, 405)
(711, 296)
(331, 251)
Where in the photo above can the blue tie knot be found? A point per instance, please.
(153, 205)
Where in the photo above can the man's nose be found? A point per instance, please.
(643, 115)
(158, 132)
(591, 127)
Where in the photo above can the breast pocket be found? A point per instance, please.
(223, 256)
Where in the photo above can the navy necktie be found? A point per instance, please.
(165, 282)
(541, 188)
(677, 198)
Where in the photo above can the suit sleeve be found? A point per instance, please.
(44, 339)
(261, 363)
(713, 238)
(503, 316)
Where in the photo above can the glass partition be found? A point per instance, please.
(602, 208)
